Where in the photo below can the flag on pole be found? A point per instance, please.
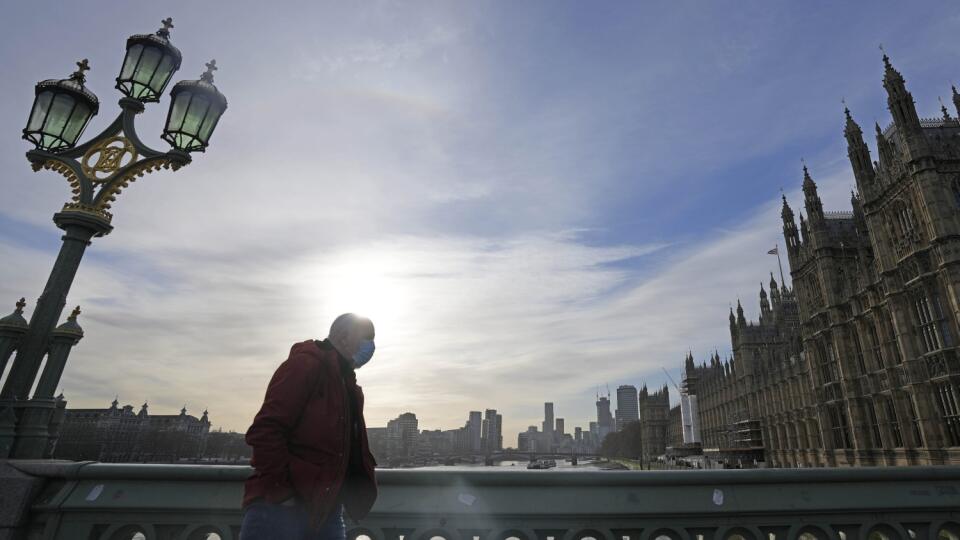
(773, 252)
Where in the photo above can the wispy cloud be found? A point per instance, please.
(530, 200)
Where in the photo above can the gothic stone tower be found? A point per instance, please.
(878, 293)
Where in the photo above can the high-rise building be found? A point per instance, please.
(604, 419)
(627, 406)
(548, 417)
(527, 440)
(560, 430)
(474, 429)
(402, 435)
(492, 431)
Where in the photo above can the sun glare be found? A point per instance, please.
(365, 285)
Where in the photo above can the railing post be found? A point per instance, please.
(38, 424)
(62, 340)
(12, 329)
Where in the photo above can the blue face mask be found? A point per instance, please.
(364, 353)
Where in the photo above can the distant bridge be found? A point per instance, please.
(512, 455)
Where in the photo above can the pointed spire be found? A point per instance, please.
(885, 150)
(773, 283)
(807, 181)
(956, 99)
(890, 74)
(790, 236)
(851, 124)
(901, 106)
(943, 110)
(811, 198)
(786, 212)
(858, 152)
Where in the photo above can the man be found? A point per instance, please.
(309, 440)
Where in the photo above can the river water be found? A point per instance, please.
(511, 465)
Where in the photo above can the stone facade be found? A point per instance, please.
(654, 412)
(858, 364)
(118, 434)
(881, 289)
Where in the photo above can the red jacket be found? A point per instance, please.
(301, 436)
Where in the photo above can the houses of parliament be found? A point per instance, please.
(857, 363)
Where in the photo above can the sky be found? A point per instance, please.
(532, 201)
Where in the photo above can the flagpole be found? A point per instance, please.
(783, 282)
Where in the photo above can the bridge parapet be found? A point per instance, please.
(128, 501)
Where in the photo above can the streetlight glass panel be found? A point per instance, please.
(57, 119)
(209, 122)
(147, 69)
(178, 110)
(163, 73)
(40, 108)
(130, 62)
(144, 73)
(76, 123)
(195, 115)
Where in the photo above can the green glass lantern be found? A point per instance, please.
(195, 109)
(149, 64)
(61, 111)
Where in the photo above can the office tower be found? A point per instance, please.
(627, 406)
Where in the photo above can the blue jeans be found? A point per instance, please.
(266, 521)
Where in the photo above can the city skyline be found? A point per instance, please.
(507, 218)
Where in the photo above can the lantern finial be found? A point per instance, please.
(167, 25)
(78, 75)
(208, 74)
(74, 314)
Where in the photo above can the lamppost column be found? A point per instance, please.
(79, 227)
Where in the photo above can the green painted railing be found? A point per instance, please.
(125, 501)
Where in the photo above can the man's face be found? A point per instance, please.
(361, 331)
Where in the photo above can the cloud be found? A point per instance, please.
(463, 322)
(531, 201)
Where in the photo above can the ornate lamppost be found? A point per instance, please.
(97, 171)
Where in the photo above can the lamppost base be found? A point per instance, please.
(84, 216)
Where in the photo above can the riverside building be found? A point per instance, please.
(857, 365)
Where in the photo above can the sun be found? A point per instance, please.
(370, 285)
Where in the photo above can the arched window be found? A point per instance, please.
(904, 217)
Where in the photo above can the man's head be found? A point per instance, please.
(352, 336)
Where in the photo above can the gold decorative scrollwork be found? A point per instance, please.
(107, 157)
(109, 195)
(88, 209)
